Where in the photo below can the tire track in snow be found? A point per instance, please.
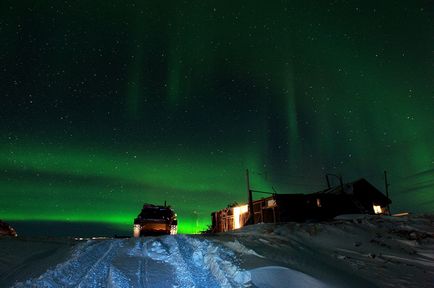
(91, 259)
(139, 255)
(221, 262)
(204, 263)
(99, 271)
(183, 275)
(143, 262)
(170, 261)
(202, 276)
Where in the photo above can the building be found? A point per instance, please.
(352, 198)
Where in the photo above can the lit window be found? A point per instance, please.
(271, 203)
(377, 209)
(238, 211)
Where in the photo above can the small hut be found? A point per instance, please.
(358, 197)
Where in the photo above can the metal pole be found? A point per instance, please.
(249, 191)
(386, 183)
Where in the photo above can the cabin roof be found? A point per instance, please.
(359, 188)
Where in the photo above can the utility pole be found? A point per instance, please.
(387, 184)
(249, 191)
(197, 220)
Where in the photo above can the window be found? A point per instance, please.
(377, 209)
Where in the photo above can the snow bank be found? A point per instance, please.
(352, 251)
(282, 277)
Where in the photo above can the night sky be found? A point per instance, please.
(106, 104)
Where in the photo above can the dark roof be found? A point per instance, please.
(360, 188)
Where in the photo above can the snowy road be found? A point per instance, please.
(171, 261)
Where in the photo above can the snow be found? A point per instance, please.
(352, 251)
(22, 258)
(276, 276)
(240, 248)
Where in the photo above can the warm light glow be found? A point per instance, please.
(136, 230)
(271, 203)
(238, 211)
(377, 209)
(402, 214)
(173, 229)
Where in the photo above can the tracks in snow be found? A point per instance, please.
(170, 261)
(96, 274)
(212, 265)
(86, 268)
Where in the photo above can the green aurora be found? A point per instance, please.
(110, 104)
(87, 187)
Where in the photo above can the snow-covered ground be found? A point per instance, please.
(353, 251)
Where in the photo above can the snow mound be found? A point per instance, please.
(282, 277)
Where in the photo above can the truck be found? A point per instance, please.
(155, 220)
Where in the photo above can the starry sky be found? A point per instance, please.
(106, 105)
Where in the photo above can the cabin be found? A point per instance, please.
(358, 197)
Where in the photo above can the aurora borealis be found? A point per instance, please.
(110, 104)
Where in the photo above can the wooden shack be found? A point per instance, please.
(351, 198)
